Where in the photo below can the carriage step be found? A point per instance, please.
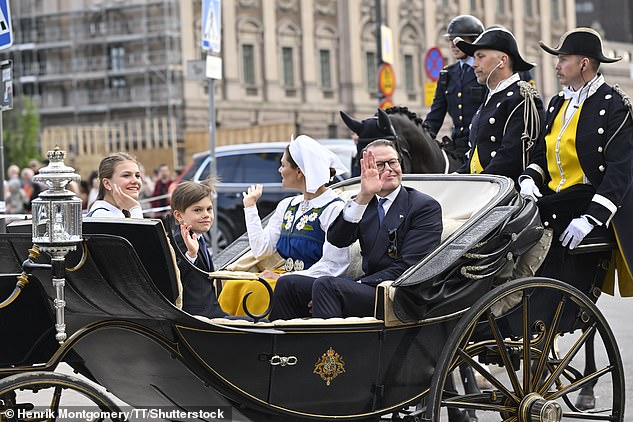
(492, 356)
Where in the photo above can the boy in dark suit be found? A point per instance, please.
(193, 209)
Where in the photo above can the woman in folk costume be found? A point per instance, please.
(297, 229)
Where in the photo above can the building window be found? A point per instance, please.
(372, 77)
(326, 71)
(117, 58)
(288, 67)
(555, 10)
(529, 8)
(118, 86)
(248, 59)
(501, 7)
(408, 73)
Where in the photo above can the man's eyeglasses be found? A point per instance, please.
(394, 164)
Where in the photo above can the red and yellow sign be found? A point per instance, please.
(386, 80)
(386, 103)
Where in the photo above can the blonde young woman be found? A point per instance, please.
(119, 188)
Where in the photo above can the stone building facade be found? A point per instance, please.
(112, 74)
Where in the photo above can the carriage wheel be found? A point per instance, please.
(39, 396)
(531, 357)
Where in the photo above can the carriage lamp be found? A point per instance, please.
(57, 225)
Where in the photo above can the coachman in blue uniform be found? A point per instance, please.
(457, 92)
(505, 127)
(582, 174)
(582, 170)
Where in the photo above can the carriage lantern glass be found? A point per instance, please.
(57, 225)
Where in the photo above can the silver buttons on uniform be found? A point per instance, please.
(602, 112)
(551, 109)
(510, 94)
(601, 168)
(599, 149)
(608, 96)
(493, 139)
(493, 153)
(600, 130)
(491, 120)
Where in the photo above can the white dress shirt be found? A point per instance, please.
(354, 211)
(112, 211)
(263, 241)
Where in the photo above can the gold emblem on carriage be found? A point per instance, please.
(329, 366)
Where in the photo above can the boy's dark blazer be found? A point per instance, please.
(198, 296)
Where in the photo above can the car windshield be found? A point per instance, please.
(260, 167)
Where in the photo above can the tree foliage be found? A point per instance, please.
(20, 131)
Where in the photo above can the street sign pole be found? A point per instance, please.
(6, 40)
(213, 168)
(378, 10)
(211, 42)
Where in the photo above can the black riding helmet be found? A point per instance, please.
(464, 26)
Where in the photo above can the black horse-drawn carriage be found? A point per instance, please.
(467, 303)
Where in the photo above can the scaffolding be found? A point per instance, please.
(105, 74)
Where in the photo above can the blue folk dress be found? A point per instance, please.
(301, 240)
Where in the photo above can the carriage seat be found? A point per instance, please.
(151, 244)
(294, 322)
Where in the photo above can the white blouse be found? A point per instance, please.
(112, 211)
(263, 241)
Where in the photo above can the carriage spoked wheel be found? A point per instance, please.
(525, 342)
(49, 396)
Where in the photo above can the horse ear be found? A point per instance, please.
(383, 121)
(354, 125)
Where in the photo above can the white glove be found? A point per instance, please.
(529, 189)
(576, 232)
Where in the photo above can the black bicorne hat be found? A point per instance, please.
(581, 42)
(496, 39)
(372, 128)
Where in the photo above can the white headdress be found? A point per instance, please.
(315, 161)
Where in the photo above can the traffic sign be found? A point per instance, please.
(212, 25)
(386, 80)
(429, 93)
(386, 103)
(433, 63)
(6, 32)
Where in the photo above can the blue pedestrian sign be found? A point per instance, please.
(6, 33)
(212, 25)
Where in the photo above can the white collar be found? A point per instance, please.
(469, 61)
(317, 202)
(586, 91)
(102, 203)
(503, 85)
(392, 196)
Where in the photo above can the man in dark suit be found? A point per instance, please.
(457, 92)
(396, 226)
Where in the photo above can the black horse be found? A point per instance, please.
(419, 151)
